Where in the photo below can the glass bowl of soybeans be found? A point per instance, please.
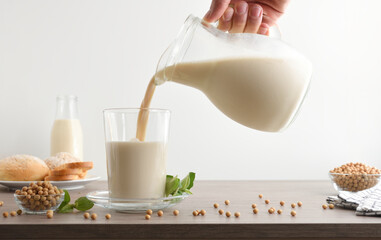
(354, 182)
(38, 198)
(354, 177)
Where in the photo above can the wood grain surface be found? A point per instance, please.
(311, 221)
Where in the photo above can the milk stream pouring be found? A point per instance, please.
(258, 81)
(66, 134)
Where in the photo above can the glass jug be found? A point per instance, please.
(256, 80)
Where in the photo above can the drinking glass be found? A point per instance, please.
(136, 169)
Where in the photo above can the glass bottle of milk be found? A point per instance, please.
(66, 135)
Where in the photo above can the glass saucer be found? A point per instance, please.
(102, 199)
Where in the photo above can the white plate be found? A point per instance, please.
(102, 199)
(69, 185)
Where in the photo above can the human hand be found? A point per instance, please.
(249, 16)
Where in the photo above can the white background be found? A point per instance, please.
(106, 51)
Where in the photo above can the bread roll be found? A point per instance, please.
(68, 157)
(23, 168)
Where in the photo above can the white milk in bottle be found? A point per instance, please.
(66, 135)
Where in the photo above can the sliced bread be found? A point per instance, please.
(74, 165)
(66, 171)
(61, 178)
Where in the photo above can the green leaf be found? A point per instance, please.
(65, 201)
(168, 179)
(67, 208)
(175, 187)
(172, 185)
(177, 193)
(187, 182)
(168, 182)
(83, 204)
(192, 176)
(187, 191)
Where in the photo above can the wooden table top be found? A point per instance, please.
(311, 221)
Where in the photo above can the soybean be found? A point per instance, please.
(203, 212)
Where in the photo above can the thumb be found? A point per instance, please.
(217, 9)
